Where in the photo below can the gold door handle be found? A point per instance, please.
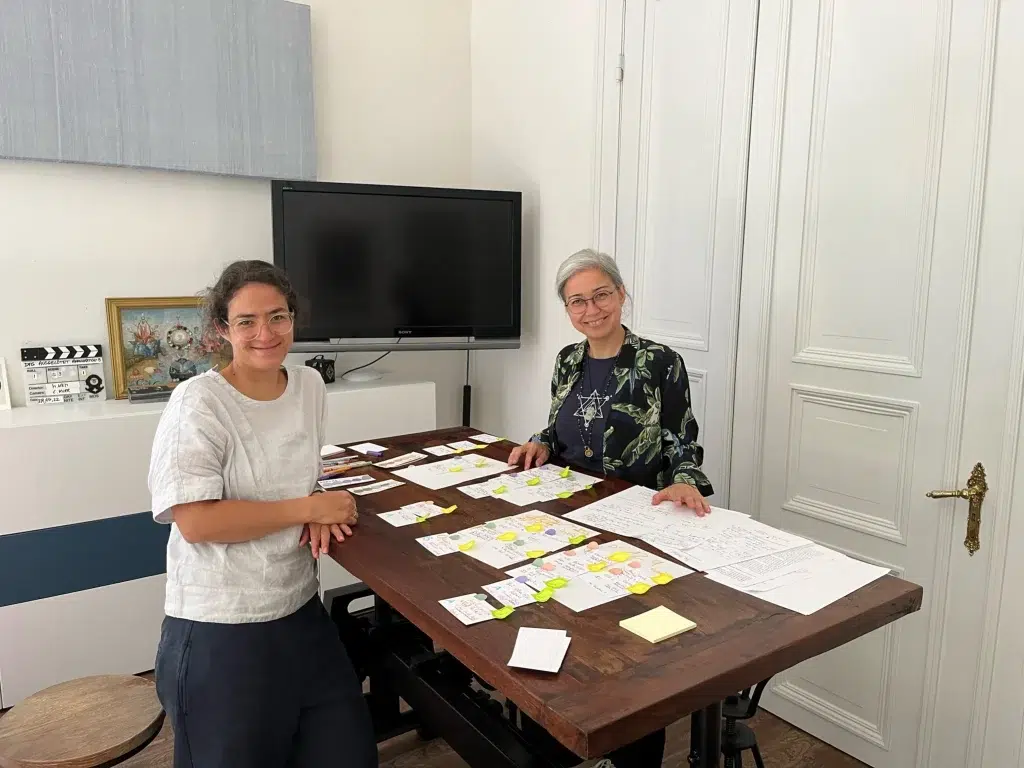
(974, 493)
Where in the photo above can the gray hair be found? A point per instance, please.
(583, 260)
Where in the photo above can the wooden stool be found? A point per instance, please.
(84, 723)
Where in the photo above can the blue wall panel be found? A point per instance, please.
(214, 86)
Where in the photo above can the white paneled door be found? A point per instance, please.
(685, 120)
(880, 344)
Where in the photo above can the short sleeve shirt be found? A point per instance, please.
(215, 443)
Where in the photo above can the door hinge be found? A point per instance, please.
(620, 70)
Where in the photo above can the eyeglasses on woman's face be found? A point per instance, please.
(247, 327)
(603, 298)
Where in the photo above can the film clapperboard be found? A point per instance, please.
(65, 374)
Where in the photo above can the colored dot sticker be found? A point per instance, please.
(556, 583)
(639, 588)
(595, 567)
(449, 510)
(533, 481)
(661, 578)
(491, 525)
(500, 489)
(635, 564)
(503, 612)
(548, 567)
(619, 557)
(569, 553)
(564, 494)
(522, 579)
(616, 571)
(538, 562)
(467, 546)
(593, 545)
(535, 528)
(564, 472)
(544, 595)
(480, 596)
(507, 537)
(535, 553)
(577, 539)
(518, 543)
(455, 536)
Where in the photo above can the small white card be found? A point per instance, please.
(439, 544)
(540, 649)
(412, 513)
(330, 450)
(400, 461)
(440, 450)
(464, 445)
(368, 448)
(483, 437)
(377, 487)
(514, 592)
(469, 609)
(341, 482)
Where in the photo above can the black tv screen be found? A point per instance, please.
(384, 262)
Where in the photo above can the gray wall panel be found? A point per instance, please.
(216, 86)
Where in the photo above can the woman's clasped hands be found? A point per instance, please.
(329, 514)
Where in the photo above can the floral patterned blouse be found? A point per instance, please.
(650, 437)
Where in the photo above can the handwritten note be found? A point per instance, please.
(384, 485)
(469, 609)
(341, 482)
(514, 592)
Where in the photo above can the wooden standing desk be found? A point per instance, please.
(613, 687)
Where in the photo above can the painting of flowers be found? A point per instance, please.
(157, 343)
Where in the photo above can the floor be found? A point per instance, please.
(782, 746)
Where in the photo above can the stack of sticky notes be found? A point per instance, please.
(657, 624)
(539, 649)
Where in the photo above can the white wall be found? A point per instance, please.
(534, 127)
(392, 106)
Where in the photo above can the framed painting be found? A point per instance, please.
(157, 343)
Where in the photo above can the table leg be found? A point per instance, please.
(706, 737)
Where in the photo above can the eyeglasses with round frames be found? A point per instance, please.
(248, 328)
(603, 299)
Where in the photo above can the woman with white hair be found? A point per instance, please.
(620, 404)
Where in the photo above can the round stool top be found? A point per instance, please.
(82, 723)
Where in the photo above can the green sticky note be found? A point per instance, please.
(556, 583)
(564, 472)
(503, 612)
(544, 595)
(533, 481)
(421, 518)
(500, 489)
(534, 553)
(577, 539)
(588, 487)
(564, 494)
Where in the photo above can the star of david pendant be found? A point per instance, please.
(588, 452)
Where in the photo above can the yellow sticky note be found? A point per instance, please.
(639, 588)
(456, 468)
(657, 624)
(449, 510)
(588, 487)
(467, 546)
(535, 528)
(661, 578)
(507, 536)
(503, 612)
(533, 481)
(544, 595)
(619, 557)
(564, 494)
(595, 567)
(475, 447)
(421, 518)
(557, 583)
(534, 553)
(564, 472)
(577, 539)
(481, 463)
(500, 489)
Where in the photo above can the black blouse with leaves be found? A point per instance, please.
(650, 436)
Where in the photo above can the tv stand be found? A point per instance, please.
(362, 375)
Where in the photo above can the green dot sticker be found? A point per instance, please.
(539, 562)
(502, 613)
(480, 596)
(491, 525)
(533, 481)
(564, 472)
(556, 583)
(544, 595)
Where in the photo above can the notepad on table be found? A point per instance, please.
(657, 624)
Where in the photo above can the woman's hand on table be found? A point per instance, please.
(684, 495)
(529, 453)
(318, 536)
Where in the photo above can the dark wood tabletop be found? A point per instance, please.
(614, 687)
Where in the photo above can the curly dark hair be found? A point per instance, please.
(236, 276)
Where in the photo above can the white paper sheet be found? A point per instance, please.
(509, 540)
(438, 544)
(329, 450)
(368, 448)
(412, 513)
(514, 592)
(341, 482)
(771, 567)
(384, 485)
(440, 450)
(739, 542)
(630, 513)
(401, 461)
(469, 609)
(533, 486)
(486, 439)
(542, 650)
(465, 445)
(453, 471)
